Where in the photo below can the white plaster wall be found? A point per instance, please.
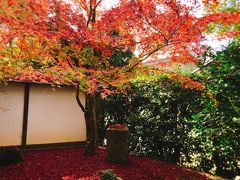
(11, 114)
(54, 116)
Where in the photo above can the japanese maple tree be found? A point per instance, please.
(79, 42)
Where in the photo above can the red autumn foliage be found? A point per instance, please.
(71, 164)
(58, 34)
(187, 82)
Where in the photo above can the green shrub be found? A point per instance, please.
(188, 127)
(108, 174)
(158, 115)
(220, 136)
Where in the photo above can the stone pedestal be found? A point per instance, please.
(117, 145)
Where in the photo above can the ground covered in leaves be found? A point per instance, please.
(70, 163)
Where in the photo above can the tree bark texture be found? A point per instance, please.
(91, 125)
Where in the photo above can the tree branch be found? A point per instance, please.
(89, 17)
(92, 11)
(175, 30)
(149, 23)
(164, 37)
(99, 2)
(69, 64)
(78, 98)
(146, 56)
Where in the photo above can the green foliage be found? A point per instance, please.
(192, 128)
(221, 121)
(120, 58)
(108, 175)
(158, 114)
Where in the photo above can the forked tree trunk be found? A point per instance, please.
(91, 125)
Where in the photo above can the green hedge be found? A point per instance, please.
(158, 115)
(188, 127)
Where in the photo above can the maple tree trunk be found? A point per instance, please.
(100, 120)
(90, 107)
(91, 125)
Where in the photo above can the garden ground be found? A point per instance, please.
(70, 163)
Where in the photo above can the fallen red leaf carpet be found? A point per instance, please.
(70, 163)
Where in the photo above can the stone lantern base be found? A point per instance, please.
(117, 145)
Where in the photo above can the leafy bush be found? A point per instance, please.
(158, 115)
(221, 121)
(189, 127)
(108, 175)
